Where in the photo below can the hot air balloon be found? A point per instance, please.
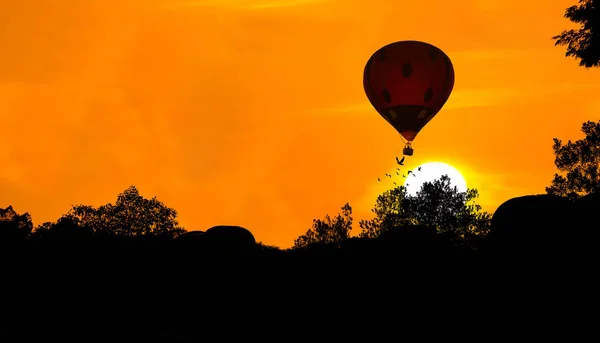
(407, 83)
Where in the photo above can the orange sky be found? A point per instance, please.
(252, 112)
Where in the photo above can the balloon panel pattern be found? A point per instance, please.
(408, 83)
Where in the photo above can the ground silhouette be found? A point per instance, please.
(68, 282)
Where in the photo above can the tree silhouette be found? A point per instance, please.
(391, 211)
(437, 205)
(579, 162)
(14, 226)
(66, 228)
(328, 231)
(131, 216)
(584, 43)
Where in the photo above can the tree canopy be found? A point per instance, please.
(131, 216)
(14, 226)
(578, 163)
(583, 43)
(437, 205)
(328, 230)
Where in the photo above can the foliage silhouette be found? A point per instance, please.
(14, 226)
(579, 162)
(328, 230)
(131, 216)
(66, 228)
(584, 43)
(437, 205)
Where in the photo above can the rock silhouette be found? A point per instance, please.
(225, 234)
(543, 225)
(191, 235)
(529, 222)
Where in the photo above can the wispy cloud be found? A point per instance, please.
(246, 4)
(286, 3)
(348, 109)
(473, 97)
(465, 98)
(496, 54)
(459, 99)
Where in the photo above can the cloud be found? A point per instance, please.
(246, 4)
(497, 54)
(472, 97)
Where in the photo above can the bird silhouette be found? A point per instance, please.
(403, 175)
(388, 175)
(400, 162)
(378, 179)
(409, 172)
(397, 173)
(419, 169)
(395, 184)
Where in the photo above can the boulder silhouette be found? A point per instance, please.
(228, 238)
(530, 224)
(191, 235)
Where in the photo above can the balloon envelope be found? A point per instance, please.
(408, 83)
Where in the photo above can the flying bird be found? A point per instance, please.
(419, 169)
(397, 173)
(378, 179)
(409, 172)
(400, 162)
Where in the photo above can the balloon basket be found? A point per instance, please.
(408, 150)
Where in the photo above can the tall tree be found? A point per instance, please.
(578, 162)
(131, 216)
(437, 205)
(583, 43)
(328, 230)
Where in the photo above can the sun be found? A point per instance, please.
(431, 171)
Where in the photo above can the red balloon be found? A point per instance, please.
(408, 82)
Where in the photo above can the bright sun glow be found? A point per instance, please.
(433, 171)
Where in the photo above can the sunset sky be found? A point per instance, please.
(252, 113)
